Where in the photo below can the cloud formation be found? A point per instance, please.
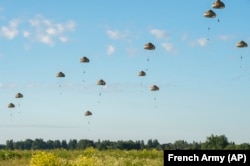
(225, 37)
(10, 31)
(46, 31)
(200, 42)
(39, 29)
(110, 50)
(115, 34)
(159, 34)
(169, 47)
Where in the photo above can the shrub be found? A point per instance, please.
(42, 158)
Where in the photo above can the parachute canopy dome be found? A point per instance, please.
(241, 44)
(209, 14)
(19, 95)
(154, 88)
(60, 74)
(101, 82)
(84, 60)
(88, 113)
(218, 4)
(11, 105)
(142, 73)
(149, 46)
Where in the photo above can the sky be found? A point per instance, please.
(204, 83)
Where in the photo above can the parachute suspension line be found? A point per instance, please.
(100, 83)
(88, 113)
(11, 106)
(241, 61)
(99, 94)
(155, 88)
(84, 60)
(60, 76)
(241, 44)
(208, 36)
(83, 79)
(155, 101)
(210, 14)
(141, 74)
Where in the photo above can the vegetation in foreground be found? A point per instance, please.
(108, 153)
(87, 157)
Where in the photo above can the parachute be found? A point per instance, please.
(87, 113)
(149, 46)
(19, 95)
(209, 14)
(154, 88)
(218, 4)
(142, 73)
(84, 60)
(241, 44)
(11, 105)
(60, 74)
(101, 82)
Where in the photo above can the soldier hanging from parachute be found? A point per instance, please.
(84, 60)
(60, 75)
(102, 83)
(241, 44)
(19, 96)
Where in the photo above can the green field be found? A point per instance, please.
(87, 157)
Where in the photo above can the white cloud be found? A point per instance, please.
(38, 29)
(11, 30)
(110, 50)
(115, 34)
(160, 34)
(225, 37)
(46, 39)
(200, 42)
(46, 31)
(63, 39)
(26, 34)
(169, 47)
(51, 31)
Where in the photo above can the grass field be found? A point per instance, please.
(87, 157)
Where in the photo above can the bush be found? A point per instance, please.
(42, 158)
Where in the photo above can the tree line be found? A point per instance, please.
(212, 142)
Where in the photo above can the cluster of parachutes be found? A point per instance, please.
(101, 82)
(17, 96)
(148, 46)
(218, 4)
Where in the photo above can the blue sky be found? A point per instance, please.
(204, 84)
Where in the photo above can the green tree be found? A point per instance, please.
(64, 144)
(57, 144)
(84, 143)
(9, 144)
(215, 142)
(72, 144)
